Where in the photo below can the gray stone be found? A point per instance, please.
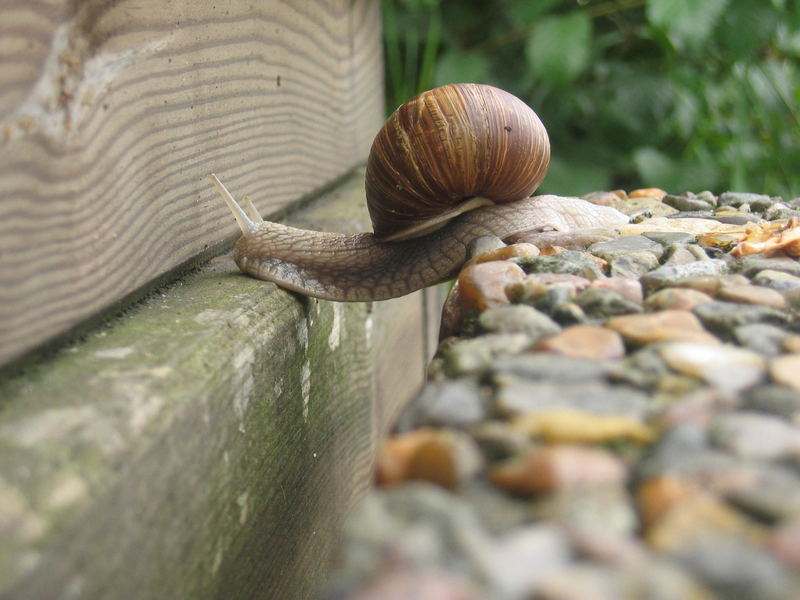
(605, 508)
(625, 245)
(734, 569)
(738, 218)
(756, 435)
(681, 254)
(739, 198)
(518, 318)
(777, 280)
(752, 265)
(685, 203)
(774, 399)
(516, 396)
(633, 265)
(599, 303)
(667, 238)
(470, 356)
(760, 337)
(723, 318)
(570, 262)
(551, 367)
(674, 275)
(781, 211)
(448, 403)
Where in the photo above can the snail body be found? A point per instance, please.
(450, 165)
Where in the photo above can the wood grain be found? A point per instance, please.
(113, 112)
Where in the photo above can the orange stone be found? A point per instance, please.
(483, 285)
(677, 325)
(506, 252)
(752, 294)
(559, 467)
(656, 496)
(585, 341)
(648, 193)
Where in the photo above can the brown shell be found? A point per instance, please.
(446, 146)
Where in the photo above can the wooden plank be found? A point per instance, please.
(112, 114)
(206, 445)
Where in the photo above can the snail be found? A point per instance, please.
(450, 165)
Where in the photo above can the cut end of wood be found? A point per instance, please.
(247, 224)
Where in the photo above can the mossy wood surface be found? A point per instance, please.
(205, 444)
(112, 113)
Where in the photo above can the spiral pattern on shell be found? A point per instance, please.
(446, 146)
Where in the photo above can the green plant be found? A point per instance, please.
(679, 94)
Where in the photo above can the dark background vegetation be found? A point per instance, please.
(686, 95)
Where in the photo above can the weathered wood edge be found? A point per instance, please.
(207, 444)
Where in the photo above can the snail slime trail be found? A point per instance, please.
(450, 165)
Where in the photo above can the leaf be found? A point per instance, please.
(559, 48)
(455, 66)
(687, 23)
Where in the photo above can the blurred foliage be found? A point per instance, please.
(679, 94)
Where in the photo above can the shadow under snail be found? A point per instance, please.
(450, 165)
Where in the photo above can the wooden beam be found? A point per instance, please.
(113, 113)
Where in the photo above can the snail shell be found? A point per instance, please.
(448, 150)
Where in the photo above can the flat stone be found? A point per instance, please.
(676, 299)
(456, 403)
(585, 341)
(578, 427)
(559, 467)
(685, 203)
(632, 265)
(555, 368)
(603, 508)
(518, 318)
(760, 337)
(756, 435)
(660, 326)
(777, 280)
(600, 303)
(674, 275)
(668, 238)
(627, 287)
(738, 218)
(711, 284)
(786, 370)
(682, 254)
(569, 262)
(774, 399)
(753, 265)
(626, 245)
(739, 198)
(752, 294)
(476, 355)
(724, 317)
(516, 396)
(650, 206)
(483, 285)
(725, 367)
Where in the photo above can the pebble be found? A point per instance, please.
(483, 285)
(761, 338)
(489, 254)
(786, 370)
(477, 354)
(560, 467)
(752, 294)
(726, 367)
(572, 426)
(601, 303)
(684, 203)
(584, 341)
(676, 299)
(723, 318)
(518, 318)
(777, 280)
(675, 274)
(624, 246)
(593, 436)
(660, 326)
(756, 435)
